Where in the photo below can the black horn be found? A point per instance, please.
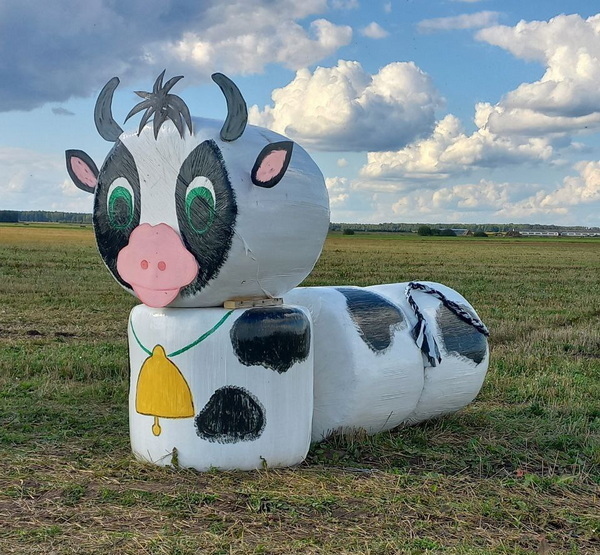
(237, 111)
(108, 128)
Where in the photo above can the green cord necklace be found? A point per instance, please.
(187, 347)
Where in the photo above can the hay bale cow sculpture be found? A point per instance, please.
(210, 225)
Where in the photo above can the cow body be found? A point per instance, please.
(369, 372)
(251, 381)
(190, 213)
(241, 398)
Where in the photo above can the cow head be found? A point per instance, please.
(191, 212)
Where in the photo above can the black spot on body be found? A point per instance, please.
(375, 317)
(232, 414)
(460, 337)
(273, 337)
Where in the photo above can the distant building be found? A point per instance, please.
(540, 233)
(580, 233)
(460, 232)
(562, 233)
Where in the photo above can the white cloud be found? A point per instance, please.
(30, 180)
(576, 190)
(344, 108)
(374, 31)
(575, 202)
(465, 200)
(349, 202)
(528, 124)
(463, 21)
(344, 4)
(387, 7)
(567, 97)
(503, 120)
(135, 39)
(250, 51)
(19, 159)
(342, 162)
(449, 151)
(338, 189)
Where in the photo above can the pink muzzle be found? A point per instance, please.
(156, 264)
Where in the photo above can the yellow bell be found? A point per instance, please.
(162, 390)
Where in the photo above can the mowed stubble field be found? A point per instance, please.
(518, 471)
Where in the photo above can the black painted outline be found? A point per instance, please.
(287, 146)
(237, 110)
(84, 157)
(110, 240)
(106, 125)
(210, 248)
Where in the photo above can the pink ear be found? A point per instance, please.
(271, 164)
(82, 169)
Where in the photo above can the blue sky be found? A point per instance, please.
(415, 110)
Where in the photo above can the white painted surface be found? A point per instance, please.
(287, 398)
(356, 388)
(279, 232)
(456, 381)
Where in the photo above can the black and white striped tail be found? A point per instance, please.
(421, 332)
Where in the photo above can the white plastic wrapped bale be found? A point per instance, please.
(461, 340)
(373, 373)
(368, 369)
(192, 212)
(218, 388)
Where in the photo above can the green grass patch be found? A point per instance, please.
(516, 472)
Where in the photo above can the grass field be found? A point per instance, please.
(517, 472)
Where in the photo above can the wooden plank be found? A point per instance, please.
(252, 303)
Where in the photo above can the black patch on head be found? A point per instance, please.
(232, 414)
(113, 227)
(375, 317)
(460, 337)
(206, 222)
(273, 337)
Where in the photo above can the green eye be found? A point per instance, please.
(120, 208)
(200, 209)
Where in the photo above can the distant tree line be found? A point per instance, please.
(425, 230)
(436, 229)
(382, 228)
(9, 216)
(15, 216)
